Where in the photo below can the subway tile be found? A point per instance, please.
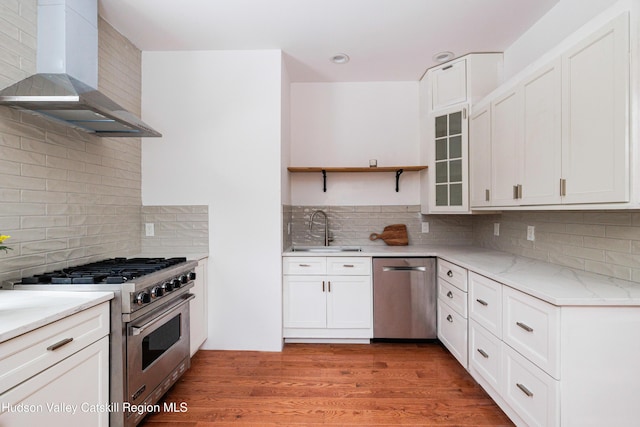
(584, 253)
(616, 245)
(622, 232)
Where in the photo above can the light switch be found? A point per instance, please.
(149, 229)
(496, 228)
(425, 227)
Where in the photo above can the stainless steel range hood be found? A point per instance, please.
(67, 65)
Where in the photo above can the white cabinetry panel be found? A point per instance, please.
(541, 150)
(595, 115)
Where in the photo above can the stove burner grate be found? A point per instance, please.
(111, 271)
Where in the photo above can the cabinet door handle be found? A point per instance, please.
(450, 294)
(515, 191)
(323, 286)
(563, 187)
(329, 286)
(348, 265)
(483, 353)
(487, 194)
(450, 273)
(449, 318)
(525, 326)
(524, 389)
(482, 302)
(304, 265)
(519, 191)
(447, 67)
(59, 344)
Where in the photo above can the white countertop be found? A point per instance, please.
(24, 311)
(553, 283)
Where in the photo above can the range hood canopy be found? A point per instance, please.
(67, 44)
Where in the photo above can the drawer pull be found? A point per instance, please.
(482, 302)
(323, 286)
(449, 294)
(59, 344)
(483, 353)
(329, 286)
(348, 265)
(450, 273)
(524, 390)
(304, 265)
(525, 327)
(449, 318)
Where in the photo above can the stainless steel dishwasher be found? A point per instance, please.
(404, 298)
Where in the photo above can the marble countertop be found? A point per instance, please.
(558, 285)
(24, 311)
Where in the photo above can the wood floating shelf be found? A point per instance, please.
(397, 169)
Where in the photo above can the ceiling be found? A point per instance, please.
(387, 40)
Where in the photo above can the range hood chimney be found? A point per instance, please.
(63, 90)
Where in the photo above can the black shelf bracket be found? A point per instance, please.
(324, 180)
(398, 173)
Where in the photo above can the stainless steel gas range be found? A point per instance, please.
(149, 342)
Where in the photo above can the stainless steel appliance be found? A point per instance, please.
(149, 341)
(404, 298)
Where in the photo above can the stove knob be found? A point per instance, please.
(176, 283)
(184, 279)
(156, 291)
(192, 275)
(167, 287)
(142, 298)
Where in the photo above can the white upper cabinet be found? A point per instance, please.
(464, 80)
(540, 160)
(480, 158)
(595, 116)
(450, 91)
(449, 85)
(506, 145)
(559, 135)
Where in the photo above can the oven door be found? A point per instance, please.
(157, 344)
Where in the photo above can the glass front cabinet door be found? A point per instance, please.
(449, 189)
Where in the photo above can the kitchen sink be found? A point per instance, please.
(326, 249)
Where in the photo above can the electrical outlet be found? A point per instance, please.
(531, 232)
(149, 229)
(496, 228)
(425, 227)
(288, 228)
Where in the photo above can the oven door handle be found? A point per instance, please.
(137, 330)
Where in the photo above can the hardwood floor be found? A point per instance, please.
(381, 384)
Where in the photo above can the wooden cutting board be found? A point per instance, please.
(393, 235)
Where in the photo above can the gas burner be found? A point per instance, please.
(109, 271)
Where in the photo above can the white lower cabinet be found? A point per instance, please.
(485, 355)
(548, 365)
(530, 391)
(58, 374)
(452, 331)
(198, 322)
(452, 309)
(332, 300)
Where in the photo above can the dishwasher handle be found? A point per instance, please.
(404, 268)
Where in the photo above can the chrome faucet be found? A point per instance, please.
(326, 225)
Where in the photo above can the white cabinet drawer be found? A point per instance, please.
(29, 354)
(452, 332)
(485, 355)
(485, 307)
(529, 391)
(304, 265)
(453, 296)
(453, 274)
(349, 266)
(531, 327)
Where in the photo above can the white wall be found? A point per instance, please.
(563, 19)
(346, 124)
(220, 115)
